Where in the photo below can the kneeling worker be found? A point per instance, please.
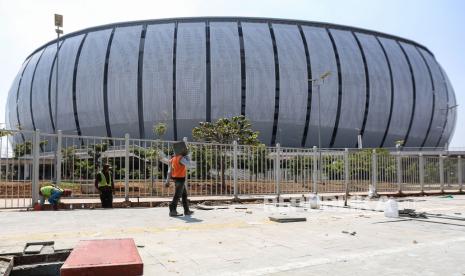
(177, 171)
(53, 194)
(104, 184)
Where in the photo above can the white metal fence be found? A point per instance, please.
(139, 168)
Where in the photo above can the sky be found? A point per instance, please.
(437, 24)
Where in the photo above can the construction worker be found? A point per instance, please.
(104, 184)
(177, 170)
(53, 194)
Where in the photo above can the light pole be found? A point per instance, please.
(318, 82)
(359, 138)
(58, 24)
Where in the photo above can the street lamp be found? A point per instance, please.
(58, 24)
(318, 82)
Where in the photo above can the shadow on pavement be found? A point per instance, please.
(189, 219)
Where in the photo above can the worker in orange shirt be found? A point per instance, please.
(177, 171)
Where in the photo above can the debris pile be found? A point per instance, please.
(412, 214)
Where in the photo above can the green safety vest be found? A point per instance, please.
(47, 190)
(103, 181)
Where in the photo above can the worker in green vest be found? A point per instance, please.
(104, 184)
(53, 194)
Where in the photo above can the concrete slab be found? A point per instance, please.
(231, 242)
(115, 257)
(33, 249)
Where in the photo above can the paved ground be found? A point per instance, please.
(232, 241)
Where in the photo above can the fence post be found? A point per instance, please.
(374, 174)
(59, 156)
(126, 167)
(441, 172)
(399, 172)
(186, 186)
(421, 165)
(459, 172)
(235, 170)
(346, 175)
(315, 170)
(278, 169)
(35, 167)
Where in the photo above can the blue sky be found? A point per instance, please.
(438, 24)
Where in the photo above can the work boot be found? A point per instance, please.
(188, 213)
(175, 214)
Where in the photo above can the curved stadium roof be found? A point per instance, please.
(124, 77)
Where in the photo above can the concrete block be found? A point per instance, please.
(104, 257)
(6, 265)
(282, 219)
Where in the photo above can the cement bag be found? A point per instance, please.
(391, 209)
(314, 201)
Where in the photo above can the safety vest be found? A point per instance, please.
(47, 190)
(103, 180)
(178, 170)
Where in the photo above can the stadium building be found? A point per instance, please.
(125, 77)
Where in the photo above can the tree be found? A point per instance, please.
(95, 151)
(150, 155)
(22, 149)
(68, 160)
(223, 131)
(84, 169)
(256, 160)
(4, 132)
(159, 130)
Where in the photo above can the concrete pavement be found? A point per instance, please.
(244, 242)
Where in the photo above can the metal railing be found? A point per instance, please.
(139, 168)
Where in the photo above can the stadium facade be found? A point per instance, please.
(126, 77)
